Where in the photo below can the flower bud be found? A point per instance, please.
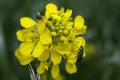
(49, 24)
(62, 38)
(60, 31)
(62, 27)
(65, 31)
(53, 33)
(68, 28)
(57, 28)
(52, 28)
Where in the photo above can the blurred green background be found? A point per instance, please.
(102, 18)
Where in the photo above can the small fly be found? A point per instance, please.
(39, 17)
(80, 54)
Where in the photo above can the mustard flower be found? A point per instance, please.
(54, 37)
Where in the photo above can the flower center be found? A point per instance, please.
(59, 30)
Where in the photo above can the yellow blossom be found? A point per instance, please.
(50, 39)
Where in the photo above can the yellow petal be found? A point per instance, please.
(72, 60)
(71, 36)
(72, 55)
(47, 65)
(55, 16)
(41, 25)
(69, 24)
(46, 38)
(61, 11)
(50, 9)
(79, 41)
(44, 56)
(20, 36)
(38, 50)
(55, 71)
(26, 48)
(63, 49)
(70, 68)
(79, 22)
(26, 34)
(23, 59)
(68, 13)
(56, 58)
(82, 30)
(27, 22)
(41, 68)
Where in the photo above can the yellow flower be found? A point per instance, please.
(54, 37)
(33, 37)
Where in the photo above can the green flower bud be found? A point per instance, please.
(53, 33)
(62, 38)
(68, 28)
(65, 31)
(52, 28)
(57, 28)
(57, 23)
(49, 24)
(60, 31)
(62, 27)
(38, 13)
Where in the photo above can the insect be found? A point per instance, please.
(39, 17)
(80, 54)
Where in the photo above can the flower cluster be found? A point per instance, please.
(54, 37)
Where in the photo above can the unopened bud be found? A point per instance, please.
(62, 27)
(49, 24)
(65, 31)
(52, 28)
(68, 28)
(53, 33)
(60, 31)
(62, 38)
